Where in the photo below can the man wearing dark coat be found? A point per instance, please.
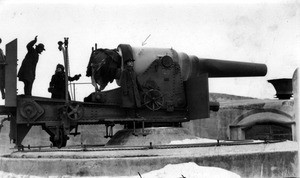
(130, 88)
(27, 70)
(2, 72)
(57, 83)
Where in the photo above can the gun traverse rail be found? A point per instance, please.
(80, 148)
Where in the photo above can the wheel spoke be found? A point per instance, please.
(159, 103)
(76, 107)
(147, 102)
(71, 107)
(72, 112)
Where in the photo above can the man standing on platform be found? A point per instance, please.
(2, 72)
(131, 89)
(57, 84)
(27, 71)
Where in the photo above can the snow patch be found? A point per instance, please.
(190, 170)
(191, 141)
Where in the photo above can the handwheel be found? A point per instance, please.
(75, 111)
(153, 99)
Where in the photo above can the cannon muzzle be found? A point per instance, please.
(220, 68)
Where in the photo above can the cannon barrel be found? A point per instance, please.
(221, 68)
(192, 65)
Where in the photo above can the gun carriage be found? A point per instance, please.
(175, 90)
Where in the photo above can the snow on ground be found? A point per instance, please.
(191, 141)
(189, 170)
(184, 170)
(204, 140)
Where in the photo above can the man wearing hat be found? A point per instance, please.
(27, 70)
(130, 88)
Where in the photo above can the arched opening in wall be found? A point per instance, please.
(266, 124)
(268, 131)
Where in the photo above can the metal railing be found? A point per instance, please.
(72, 88)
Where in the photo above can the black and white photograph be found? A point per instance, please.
(149, 89)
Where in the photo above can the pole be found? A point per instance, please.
(74, 96)
(66, 60)
(63, 49)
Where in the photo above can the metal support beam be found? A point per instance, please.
(11, 74)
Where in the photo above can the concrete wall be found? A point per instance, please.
(254, 165)
(217, 126)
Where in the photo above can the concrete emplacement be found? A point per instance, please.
(255, 160)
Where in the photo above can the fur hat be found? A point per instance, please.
(60, 66)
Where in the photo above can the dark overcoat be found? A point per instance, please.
(130, 88)
(2, 70)
(27, 69)
(58, 85)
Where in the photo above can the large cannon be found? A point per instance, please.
(175, 90)
(177, 80)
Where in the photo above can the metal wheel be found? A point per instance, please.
(75, 111)
(61, 140)
(153, 99)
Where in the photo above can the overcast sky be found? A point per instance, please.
(258, 32)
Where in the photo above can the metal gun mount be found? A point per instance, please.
(175, 90)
